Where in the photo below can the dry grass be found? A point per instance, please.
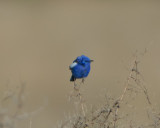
(109, 115)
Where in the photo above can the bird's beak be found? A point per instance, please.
(91, 60)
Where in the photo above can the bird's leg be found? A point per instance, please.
(83, 80)
(75, 83)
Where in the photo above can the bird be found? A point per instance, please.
(80, 68)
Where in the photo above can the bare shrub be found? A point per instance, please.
(109, 115)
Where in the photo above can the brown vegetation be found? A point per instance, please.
(109, 115)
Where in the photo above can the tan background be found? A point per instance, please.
(39, 40)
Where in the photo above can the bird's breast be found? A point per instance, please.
(72, 65)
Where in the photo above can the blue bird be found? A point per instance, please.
(80, 68)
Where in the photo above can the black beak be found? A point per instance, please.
(91, 60)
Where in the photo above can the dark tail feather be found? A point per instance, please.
(72, 78)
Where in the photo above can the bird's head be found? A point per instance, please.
(83, 60)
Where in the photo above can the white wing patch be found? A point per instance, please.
(73, 65)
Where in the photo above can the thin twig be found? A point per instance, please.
(125, 89)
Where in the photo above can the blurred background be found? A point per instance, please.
(40, 39)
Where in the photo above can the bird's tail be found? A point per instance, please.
(72, 78)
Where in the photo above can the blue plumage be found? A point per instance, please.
(80, 67)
